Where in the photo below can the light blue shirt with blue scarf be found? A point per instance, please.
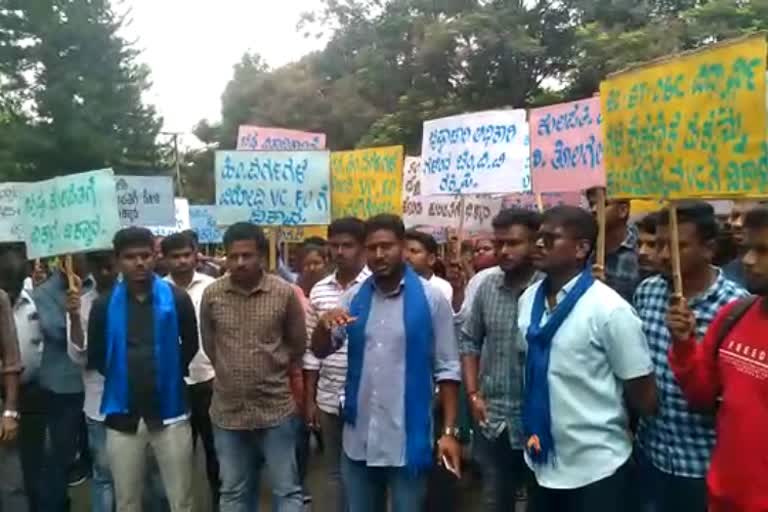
(378, 435)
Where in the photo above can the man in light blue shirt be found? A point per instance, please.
(400, 338)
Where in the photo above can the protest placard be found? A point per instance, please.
(297, 234)
(260, 138)
(275, 188)
(445, 211)
(693, 125)
(202, 219)
(548, 200)
(479, 153)
(181, 221)
(70, 214)
(11, 229)
(367, 182)
(411, 177)
(567, 147)
(145, 200)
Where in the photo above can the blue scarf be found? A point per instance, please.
(537, 416)
(167, 352)
(419, 341)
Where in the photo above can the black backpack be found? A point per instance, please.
(732, 318)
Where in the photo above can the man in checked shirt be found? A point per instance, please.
(676, 444)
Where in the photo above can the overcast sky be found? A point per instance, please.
(191, 46)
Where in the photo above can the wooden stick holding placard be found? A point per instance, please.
(460, 234)
(600, 245)
(273, 231)
(70, 271)
(539, 202)
(674, 248)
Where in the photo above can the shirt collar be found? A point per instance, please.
(630, 241)
(197, 278)
(535, 278)
(710, 294)
(264, 285)
(362, 276)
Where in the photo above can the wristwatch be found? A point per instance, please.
(11, 414)
(451, 432)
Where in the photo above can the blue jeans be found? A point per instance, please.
(669, 493)
(367, 487)
(504, 472)
(102, 487)
(241, 455)
(63, 416)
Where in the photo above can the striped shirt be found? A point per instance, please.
(325, 296)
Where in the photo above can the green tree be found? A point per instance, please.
(73, 88)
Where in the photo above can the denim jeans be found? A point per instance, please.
(504, 472)
(367, 488)
(606, 495)
(669, 493)
(241, 455)
(102, 487)
(63, 418)
(12, 495)
(331, 427)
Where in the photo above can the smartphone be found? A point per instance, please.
(447, 465)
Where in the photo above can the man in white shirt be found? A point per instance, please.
(421, 254)
(586, 354)
(324, 379)
(79, 309)
(180, 253)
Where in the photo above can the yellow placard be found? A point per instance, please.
(366, 182)
(690, 126)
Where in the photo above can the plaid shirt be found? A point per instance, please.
(676, 440)
(491, 332)
(622, 271)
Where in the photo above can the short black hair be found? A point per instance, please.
(425, 239)
(99, 259)
(131, 238)
(699, 213)
(578, 222)
(648, 223)
(756, 218)
(245, 231)
(178, 241)
(351, 226)
(315, 240)
(191, 233)
(385, 222)
(517, 217)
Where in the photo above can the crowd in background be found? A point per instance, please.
(567, 385)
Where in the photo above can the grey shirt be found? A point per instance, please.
(378, 436)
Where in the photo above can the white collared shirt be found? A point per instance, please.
(93, 381)
(200, 369)
(30, 335)
(323, 297)
(598, 346)
(444, 286)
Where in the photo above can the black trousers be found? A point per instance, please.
(606, 495)
(200, 405)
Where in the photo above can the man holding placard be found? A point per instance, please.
(676, 444)
(726, 374)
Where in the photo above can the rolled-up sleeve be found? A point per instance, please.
(447, 367)
(9, 340)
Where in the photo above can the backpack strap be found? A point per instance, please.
(732, 318)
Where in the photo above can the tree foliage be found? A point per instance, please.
(389, 65)
(70, 92)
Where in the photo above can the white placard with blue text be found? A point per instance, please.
(11, 229)
(273, 188)
(203, 220)
(181, 219)
(479, 153)
(145, 200)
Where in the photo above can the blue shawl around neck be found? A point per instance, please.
(169, 378)
(537, 416)
(419, 342)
